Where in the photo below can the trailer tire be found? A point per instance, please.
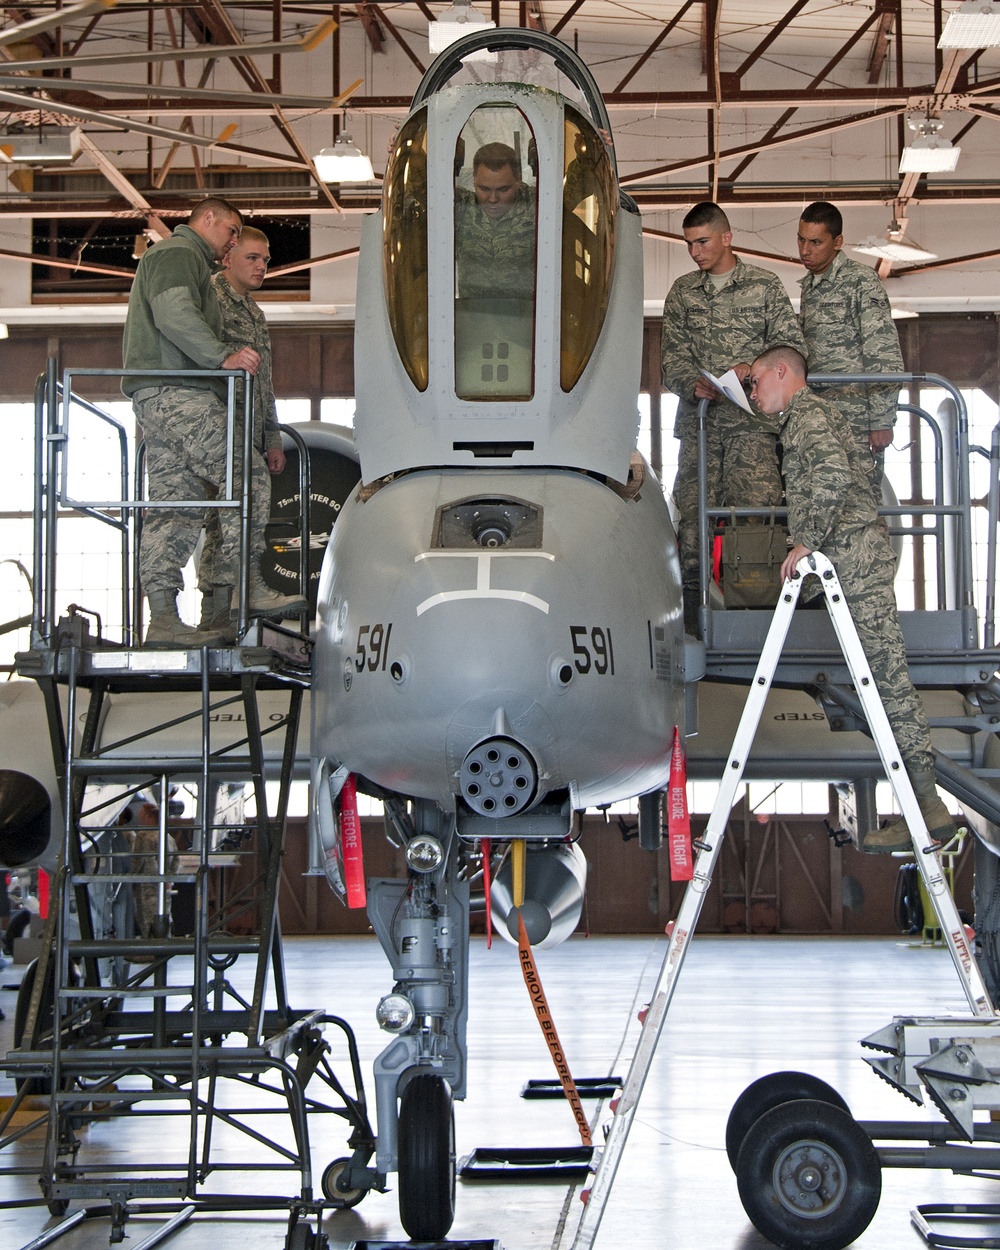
(771, 1091)
(808, 1176)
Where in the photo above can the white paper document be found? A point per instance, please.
(730, 386)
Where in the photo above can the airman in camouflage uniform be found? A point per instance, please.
(830, 510)
(717, 319)
(173, 322)
(848, 328)
(495, 229)
(243, 322)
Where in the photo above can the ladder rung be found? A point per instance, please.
(162, 947)
(120, 991)
(238, 765)
(136, 878)
(85, 1098)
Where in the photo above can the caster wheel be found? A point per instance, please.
(808, 1176)
(301, 1237)
(58, 1206)
(339, 1197)
(771, 1091)
(426, 1158)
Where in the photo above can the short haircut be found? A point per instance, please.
(789, 356)
(215, 204)
(495, 156)
(706, 214)
(250, 234)
(823, 213)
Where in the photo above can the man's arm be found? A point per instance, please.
(680, 369)
(880, 353)
(783, 327)
(173, 279)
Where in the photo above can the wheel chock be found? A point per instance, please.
(426, 1245)
(966, 1225)
(529, 1163)
(586, 1087)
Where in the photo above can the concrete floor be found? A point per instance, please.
(744, 1007)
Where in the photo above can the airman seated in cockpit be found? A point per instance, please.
(495, 228)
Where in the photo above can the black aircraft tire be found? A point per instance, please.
(426, 1158)
(771, 1091)
(808, 1176)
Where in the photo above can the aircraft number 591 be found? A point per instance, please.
(372, 650)
(593, 649)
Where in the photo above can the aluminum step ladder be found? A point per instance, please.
(711, 843)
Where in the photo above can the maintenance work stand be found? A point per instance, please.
(114, 1028)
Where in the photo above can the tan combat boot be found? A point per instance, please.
(267, 602)
(166, 629)
(217, 615)
(937, 818)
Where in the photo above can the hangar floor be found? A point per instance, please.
(744, 1007)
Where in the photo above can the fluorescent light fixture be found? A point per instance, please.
(461, 19)
(49, 146)
(343, 162)
(903, 314)
(929, 152)
(4, 332)
(892, 247)
(975, 24)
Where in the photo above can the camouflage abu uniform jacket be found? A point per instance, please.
(495, 258)
(830, 509)
(829, 505)
(847, 323)
(244, 325)
(708, 329)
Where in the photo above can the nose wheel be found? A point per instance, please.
(426, 1159)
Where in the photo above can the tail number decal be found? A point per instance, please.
(372, 650)
(593, 650)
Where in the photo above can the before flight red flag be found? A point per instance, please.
(678, 820)
(350, 845)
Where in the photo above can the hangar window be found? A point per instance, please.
(589, 206)
(404, 242)
(495, 217)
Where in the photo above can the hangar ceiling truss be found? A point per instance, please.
(201, 85)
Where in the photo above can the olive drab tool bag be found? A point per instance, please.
(752, 556)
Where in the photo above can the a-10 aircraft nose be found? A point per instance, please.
(498, 778)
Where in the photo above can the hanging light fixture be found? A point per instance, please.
(458, 20)
(975, 24)
(343, 162)
(893, 247)
(929, 152)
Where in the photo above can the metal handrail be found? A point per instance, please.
(54, 401)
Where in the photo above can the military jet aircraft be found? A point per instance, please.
(500, 641)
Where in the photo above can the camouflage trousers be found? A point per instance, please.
(212, 565)
(145, 897)
(866, 568)
(742, 472)
(185, 432)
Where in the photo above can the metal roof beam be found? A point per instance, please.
(641, 61)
